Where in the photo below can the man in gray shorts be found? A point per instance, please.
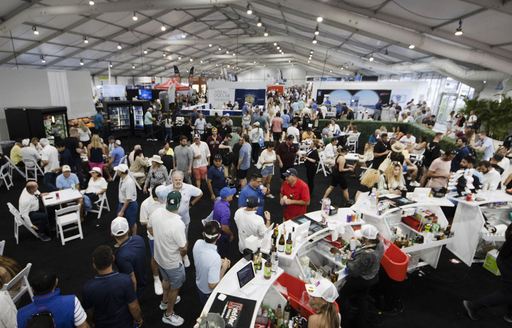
(170, 247)
(183, 157)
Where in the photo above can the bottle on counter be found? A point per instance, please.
(274, 259)
(280, 245)
(257, 260)
(289, 245)
(275, 235)
(286, 312)
(279, 315)
(353, 244)
(267, 270)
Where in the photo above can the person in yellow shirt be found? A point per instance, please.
(15, 154)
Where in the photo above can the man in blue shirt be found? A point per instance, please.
(286, 120)
(216, 178)
(65, 310)
(98, 122)
(256, 189)
(67, 180)
(210, 268)
(116, 154)
(244, 160)
(461, 152)
(131, 254)
(110, 295)
(222, 214)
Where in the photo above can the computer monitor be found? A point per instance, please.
(145, 94)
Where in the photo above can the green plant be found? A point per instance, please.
(495, 116)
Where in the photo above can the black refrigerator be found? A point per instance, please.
(41, 122)
(119, 117)
(138, 110)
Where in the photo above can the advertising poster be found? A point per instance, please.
(256, 97)
(354, 98)
(220, 96)
(277, 88)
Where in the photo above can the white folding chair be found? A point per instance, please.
(352, 141)
(2, 247)
(32, 168)
(20, 221)
(19, 285)
(13, 167)
(134, 180)
(123, 160)
(68, 216)
(321, 165)
(5, 176)
(102, 204)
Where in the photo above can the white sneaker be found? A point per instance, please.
(163, 306)
(158, 286)
(173, 320)
(271, 196)
(186, 261)
(414, 184)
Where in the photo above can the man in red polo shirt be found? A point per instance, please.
(294, 195)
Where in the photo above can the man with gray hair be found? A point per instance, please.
(50, 164)
(183, 158)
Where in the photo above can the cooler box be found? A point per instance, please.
(395, 263)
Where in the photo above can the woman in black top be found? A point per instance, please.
(338, 175)
(503, 295)
(311, 159)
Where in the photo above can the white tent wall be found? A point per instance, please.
(31, 87)
(293, 75)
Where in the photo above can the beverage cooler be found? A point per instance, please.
(119, 116)
(41, 122)
(138, 110)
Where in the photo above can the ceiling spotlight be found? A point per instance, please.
(34, 29)
(228, 66)
(316, 30)
(164, 55)
(210, 45)
(458, 31)
(484, 82)
(342, 68)
(259, 23)
(110, 64)
(330, 71)
(216, 65)
(163, 28)
(91, 3)
(85, 39)
(220, 49)
(227, 52)
(278, 47)
(233, 54)
(191, 59)
(201, 61)
(265, 34)
(319, 19)
(42, 59)
(371, 58)
(289, 61)
(82, 62)
(133, 66)
(275, 44)
(249, 9)
(311, 52)
(412, 46)
(119, 46)
(134, 17)
(315, 41)
(145, 51)
(179, 57)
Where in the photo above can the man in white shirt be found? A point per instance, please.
(485, 145)
(294, 131)
(29, 153)
(148, 206)
(128, 206)
(31, 209)
(50, 164)
(491, 178)
(201, 160)
(408, 140)
(330, 152)
(187, 192)
(249, 223)
(149, 120)
(200, 125)
(8, 311)
(168, 230)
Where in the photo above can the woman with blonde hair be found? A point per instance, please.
(84, 133)
(392, 181)
(96, 154)
(369, 180)
(322, 299)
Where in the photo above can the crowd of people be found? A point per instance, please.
(229, 164)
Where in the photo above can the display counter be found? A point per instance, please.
(207, 111)
(470, 218)
(415, 223)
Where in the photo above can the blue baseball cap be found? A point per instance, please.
(226, 192)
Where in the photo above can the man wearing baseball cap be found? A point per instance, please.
(131, 254)
(249, 223)
(216, 178)
(128, 206)
(294, 196)
(201, 160)
(116, 154)
(170, 238)
(67, 179)
(363, 273)
(322, 299)
(222, 214)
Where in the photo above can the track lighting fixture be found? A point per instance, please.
(34, 29)
(85, 39)
(458, 31)
(249, 9)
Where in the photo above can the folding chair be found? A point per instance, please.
(123, 160)
(5, 176)
(321, 165)
(32, 167)
(20, 221)
(13, 167)
(102, 204)
(352, 141)
(2, 247)
(134, 180)
(68, 216)
(17, 290)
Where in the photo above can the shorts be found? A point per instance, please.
(337, 179)
(200, 172)
(267, 170)
(176, 277)
(130, 213)
(241, 174)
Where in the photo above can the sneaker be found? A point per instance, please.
(414, 184)
(471, 313)
(158, 286)
(173, 319)
(508, 318)
(44, 237)
(163, 306)
(271, 196)
(186, 261)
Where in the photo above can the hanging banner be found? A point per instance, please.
(256, 97)
(365, 98)
(277, 88)
(220, 96)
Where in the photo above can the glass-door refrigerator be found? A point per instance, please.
(139, 109)
(41, 122)
(119, 117)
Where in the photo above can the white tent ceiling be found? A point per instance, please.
(344, 41)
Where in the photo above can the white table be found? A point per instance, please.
(65, 196)
(468, 222)
(229, 285)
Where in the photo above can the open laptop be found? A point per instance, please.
(246, 279)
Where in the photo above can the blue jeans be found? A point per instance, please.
(168, 134)
(49, 181)
(130, 213)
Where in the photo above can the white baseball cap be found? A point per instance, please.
(66, 168)
(119, 226)
(368, 231)
(121, 168)
(324, 289)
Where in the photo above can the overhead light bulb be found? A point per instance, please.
(342, 68)
(179, 57)
(317, 31)
(34, 29)
(265, 34)
(234, 54)
(228, 66)
(249, 9)
(119, 46)
(110, 64)
(163, 28)
(289, 61)
(133, 66)
(201, 61)
(134, 17)
(191, 59)
(275, 44)
(412, 46)
(164, 54)
(371, 58)
(227, 52)
(484, 82)
(183, 36)
(315, 41)
(42, 59)
(210, 45)
(259, 23)
(278, 47)
(319, 19)
(220, 49)
(145, 51)
(311, 52)
(82, 62)
(458, 31)
(85, 39)
(330, 71)
(91, 3)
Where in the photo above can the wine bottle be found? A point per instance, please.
(275, 259)
(289, 245)
(257, 260)
(267, 271)
(279, 315)
(275, 235)
(286, 312)
(280, 245)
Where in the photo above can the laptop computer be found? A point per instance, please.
(246, 279)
